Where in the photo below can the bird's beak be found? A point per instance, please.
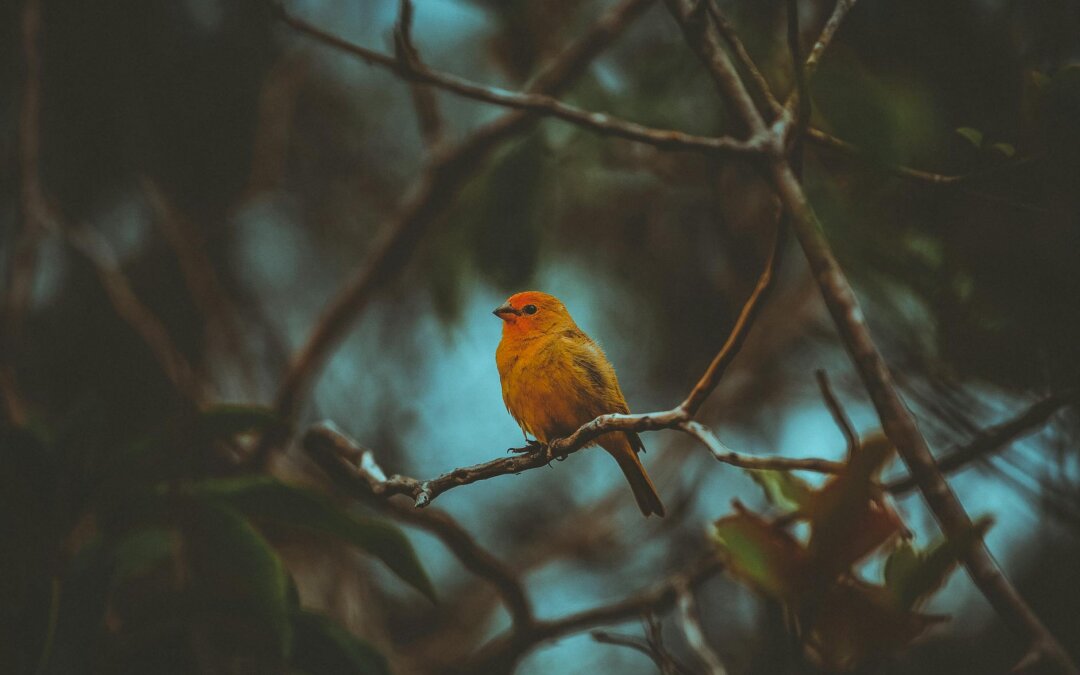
(504, 310)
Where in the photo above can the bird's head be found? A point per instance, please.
(532, 313)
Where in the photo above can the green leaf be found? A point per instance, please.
(324, 647)
(264, 498)
(914, 575)
(225, 421)
(140, 552)
(782, 488)
(1004, 149)
(973, 136)
(238, 569)
(763, 555)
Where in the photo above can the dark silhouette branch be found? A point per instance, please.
(837, 412)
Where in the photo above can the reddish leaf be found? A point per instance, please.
(848, 517)
(857, 622)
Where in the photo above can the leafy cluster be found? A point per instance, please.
(843, 620)
(156, 576)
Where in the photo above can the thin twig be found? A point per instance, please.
(424, 102)
(750, 310)
(447, 170)
(695, 635)
(532, 101)
(837, 412)
(204, 285)
(502, 653)
(97, 250)
(651, 646)
(761, 87)
(995, 438)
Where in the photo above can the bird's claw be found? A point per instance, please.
(532, 445)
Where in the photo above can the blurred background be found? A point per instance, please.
(205, 163)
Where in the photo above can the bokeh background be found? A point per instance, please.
(210, 121)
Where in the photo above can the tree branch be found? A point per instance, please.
(540, 103)
(837, 412)
(502, 653)
(896, 419)
(695, 634)
(994, 438)
(33, 216)
(427, 109)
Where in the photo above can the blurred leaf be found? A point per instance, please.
(225, 421)
(241, 568)
(266, 499)
(973, 136)
(913, 575)
(141, 551)
(857, 622)
(322, 647)
(782, 488)
(1004, 149)
(848, 516)
(763, 555)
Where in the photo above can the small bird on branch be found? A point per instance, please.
(555, 379)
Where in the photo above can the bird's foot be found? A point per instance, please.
(530, 446)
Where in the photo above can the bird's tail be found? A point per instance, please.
(619, 446)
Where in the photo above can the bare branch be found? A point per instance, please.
(23, 252)
(533, 101)
(324, 435)
(762, 90)
(995, 438)
(837, 412)
(447, 170)
(427, 108)
(695, 635)
(652, 646)
(896, 419)
(97, 250)
(751, 309)
(500, 655)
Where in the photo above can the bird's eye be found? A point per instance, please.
(529, 309)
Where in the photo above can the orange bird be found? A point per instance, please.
(555, 378)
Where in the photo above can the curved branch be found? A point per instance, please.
(601, 123)
(502, 653)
